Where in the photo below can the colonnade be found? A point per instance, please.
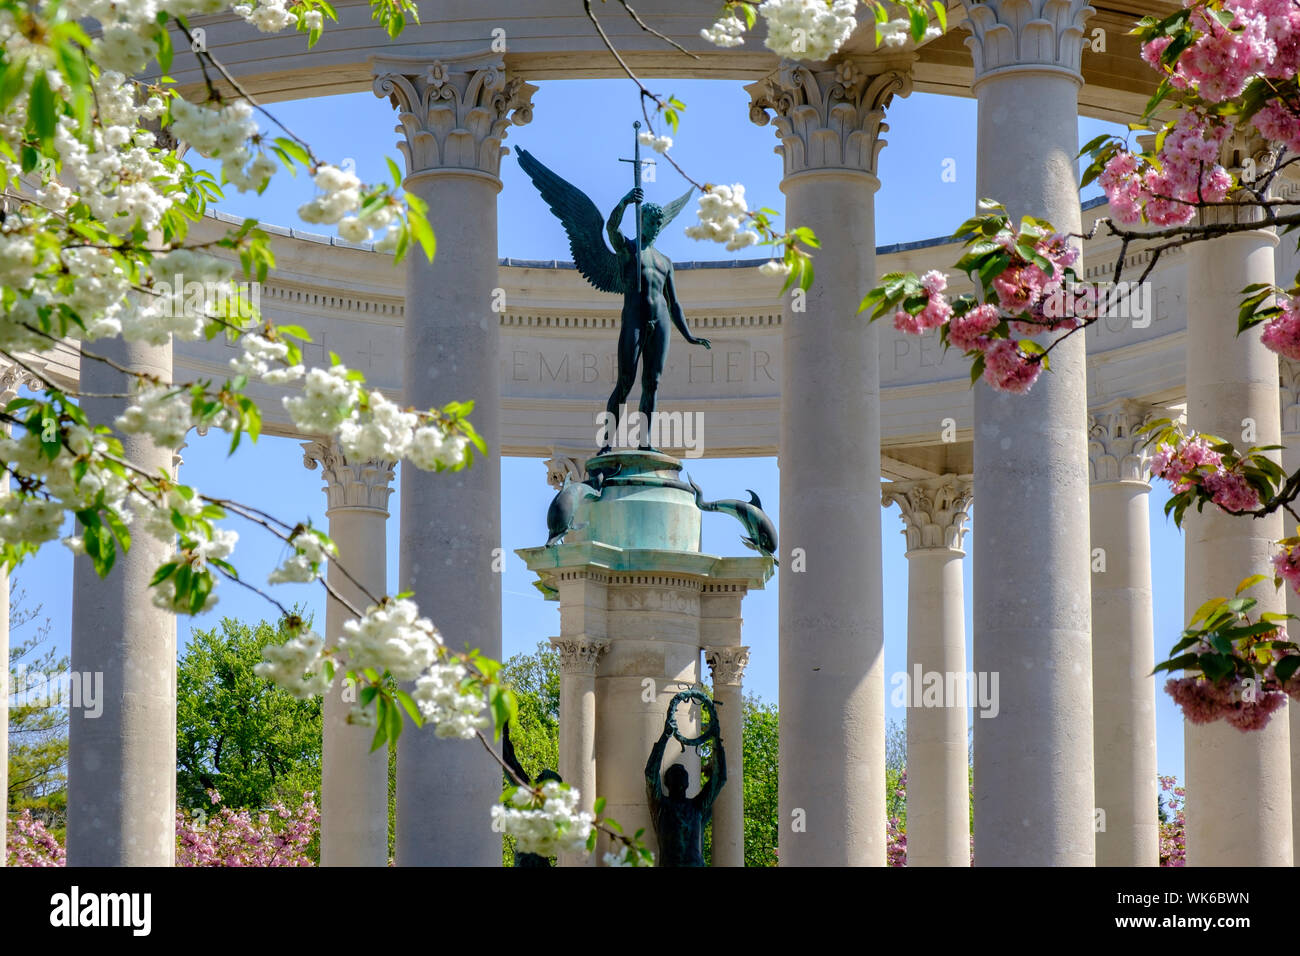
(1071, 643)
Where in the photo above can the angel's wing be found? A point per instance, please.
(673, 208)
(582, 221)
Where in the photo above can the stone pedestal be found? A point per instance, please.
(639, 585)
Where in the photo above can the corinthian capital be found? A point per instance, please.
(828, 119)
(934, 510)
(727, 663)
(579, 655)
(1115, 451)
(454, 112)
(14, 377)
(364, 484)
(1018, 34)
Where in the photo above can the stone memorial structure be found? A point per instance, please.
(1055, 472)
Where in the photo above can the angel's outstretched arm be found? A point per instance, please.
(616, 219)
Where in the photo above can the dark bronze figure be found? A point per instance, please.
(649, 296)
(512, 761)
(679, 820)
(762, 532)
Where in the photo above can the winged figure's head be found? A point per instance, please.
(652, 222)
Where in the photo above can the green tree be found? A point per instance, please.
(535, 731)
(236, 732)
(762, 811)
(38, 721)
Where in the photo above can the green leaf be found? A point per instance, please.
(41, 114)
(1287, 666)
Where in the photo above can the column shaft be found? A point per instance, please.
(831, 651)
(1238, 784)
(938, 784)
(454, 113)
(354, 781)
(1031, 588)
(578, 660)
(1124, 724)
(122, 761)
(727, 665)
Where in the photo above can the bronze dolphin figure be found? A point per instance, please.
(762, 532)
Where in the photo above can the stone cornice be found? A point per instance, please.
(362, 485)
(727, 663)
(579, 655)
(934, 510)
(1115, 451)
(454, 111)
(1013, 35)
(827, 119)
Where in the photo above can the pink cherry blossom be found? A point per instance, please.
(1287, 565)
(967, 332)
(1007, 369)
(1230, 491)
(1282, 333)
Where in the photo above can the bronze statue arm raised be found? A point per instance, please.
(654, 766)
(704, 799)
(678, 316)
(615, 221)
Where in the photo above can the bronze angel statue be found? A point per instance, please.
(649, 301)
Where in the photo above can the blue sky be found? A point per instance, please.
(580, 128)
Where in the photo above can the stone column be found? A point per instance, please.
(1123, 639)
(1290, 389)
(354, 781)
(727, 667)
(1031, 578)
(1238, 784)
(578, 660)
(832, 688)
(122, 760)
(934, 513)
(454, 114)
